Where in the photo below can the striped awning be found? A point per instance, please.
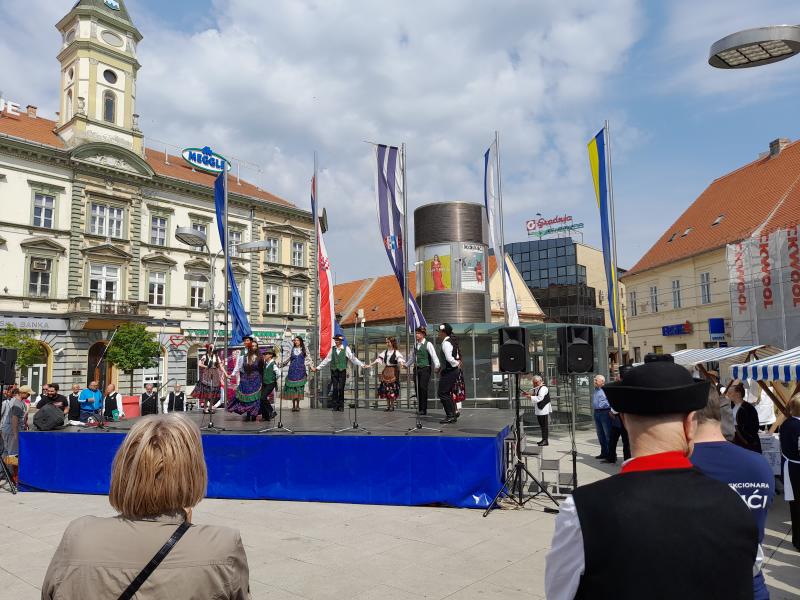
(692, 357)
(780, 367)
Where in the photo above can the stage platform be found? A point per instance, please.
(460, 466)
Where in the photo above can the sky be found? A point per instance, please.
(270, 83)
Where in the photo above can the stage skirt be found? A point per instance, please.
(389, 391)
(294, 390)
(248, 394)
(459, 390)
(208, 388)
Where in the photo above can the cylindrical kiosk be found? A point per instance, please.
(452, 272)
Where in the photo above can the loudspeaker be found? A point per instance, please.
(576, 349)
(8, 361)
(512, 353)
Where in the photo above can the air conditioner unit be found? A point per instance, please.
(39, 264)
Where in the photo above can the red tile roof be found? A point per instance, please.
(42, 131)
(765, 193)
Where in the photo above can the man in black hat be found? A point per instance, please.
(338, 357)
(653, 530)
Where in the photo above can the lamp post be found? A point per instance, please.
(755, 47)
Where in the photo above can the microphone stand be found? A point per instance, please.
(280, 426)
(101, 419)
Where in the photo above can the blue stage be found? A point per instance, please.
(463, 466)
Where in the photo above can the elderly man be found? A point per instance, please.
(91, 401)
(540, 397)
(602, 416)
(653, 530)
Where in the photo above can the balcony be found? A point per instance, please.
(94, 313)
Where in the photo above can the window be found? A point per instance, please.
(234, 240)
(718, 220)
(104, 282)
(110, 76)
(68, 106)
(654, 298)
(271, 298)
(271, 251)
(109, 107)
(632, 303)
(39, 277)
(298, 301)
(679, 347)
(687, 232)
(705, 288)
(637, 354)
(658, 349)
(43, 208)
(202, 228)
(672, 237)
(157, 287)
(600, 298)
(676, 293)
(106, 220)
(197, 294)
(297, 254)
(158, 230)
(191, 366)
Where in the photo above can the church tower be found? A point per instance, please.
(98, 75)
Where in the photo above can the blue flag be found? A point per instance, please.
(240, 326)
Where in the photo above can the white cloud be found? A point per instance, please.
(272, 82)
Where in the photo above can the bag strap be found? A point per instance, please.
(154, 562)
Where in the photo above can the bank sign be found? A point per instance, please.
(205, 160)
(542, 227)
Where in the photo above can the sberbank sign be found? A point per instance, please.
(205, 159)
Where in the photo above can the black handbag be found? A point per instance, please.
(154, 562)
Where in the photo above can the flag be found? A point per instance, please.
(337, 330)
(490, 196)
(240, 326)
(599, 166)
(325, 282)
(389, 188)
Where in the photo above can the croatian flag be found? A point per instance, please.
(389, 188)
(490, 195)
(326, 311)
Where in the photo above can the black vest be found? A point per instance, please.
(110, 405)
(149, 404)
(665, 534)
(74, 407)
(175, 401)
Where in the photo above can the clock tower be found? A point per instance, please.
(98, 75)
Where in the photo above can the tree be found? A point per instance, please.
(133, 348)
(29, 349)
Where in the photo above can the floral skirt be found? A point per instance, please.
(206, 393)
(389, 391)
(294, 390)
(248, 395)
(459, 390)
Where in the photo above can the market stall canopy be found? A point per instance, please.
(694, 357)
(783, 367)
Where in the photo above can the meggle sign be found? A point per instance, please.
(205, 160)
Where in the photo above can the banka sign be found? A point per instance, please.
(205, 160)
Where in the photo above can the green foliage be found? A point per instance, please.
(133, 348)
(29, 350)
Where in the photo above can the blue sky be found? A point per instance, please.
(296, 76)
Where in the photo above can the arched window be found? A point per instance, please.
(68, 111)
(109, 106)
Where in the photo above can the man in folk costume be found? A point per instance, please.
(176, 399)
(450, 372)
(270, 382)
(653, 530)
(423, 357)
(148, 401)
(338, 357)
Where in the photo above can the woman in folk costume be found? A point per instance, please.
(207, 390)
(391, 359)
(299, 364)
(248, 393)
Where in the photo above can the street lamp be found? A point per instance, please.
(755, 47)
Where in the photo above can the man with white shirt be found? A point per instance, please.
(176, 399)
(423, 356)
(338, 357)
(540, 397)
(449, 372)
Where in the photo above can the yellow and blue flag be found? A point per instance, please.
(599, 166)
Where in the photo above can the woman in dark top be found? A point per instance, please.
(745, 419)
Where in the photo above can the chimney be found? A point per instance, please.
(31, 111)
(776, 146)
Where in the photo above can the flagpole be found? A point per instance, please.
(405, 266)
(317, 340)
(501, 260)
(225, 248)
(615, 269)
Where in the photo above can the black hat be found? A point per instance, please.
(657, 388)
(248, 337)
(338, 337)
(421, 329)
(446, 327)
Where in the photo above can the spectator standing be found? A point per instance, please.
(112, 402)
(617, 431)
(148, 402)
(602, 417)
(747, 473)
(542, 407)
(652, 530)
(176, 399)
(745, 419)
(53, 397)
(157, 477)
(790, 448)
(91, 401)
(14, 419)
(74, 413)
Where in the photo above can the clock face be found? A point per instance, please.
(112, 4)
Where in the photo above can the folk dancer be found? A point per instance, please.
(269, 383)
(212, 374)
(338, 357)
(391, 359)
(299, 364)
(176, 399)
(652, 530)
(148, 402)
(249, 367)
(423, 356)
(450, 372)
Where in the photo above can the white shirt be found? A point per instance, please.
(540, 395)
(447, 350)
(118, 398)
(352, 358)
(434, 358)
(389, 354)
(565, 562)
